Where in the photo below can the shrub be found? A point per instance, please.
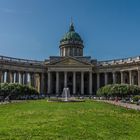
(104, 91)
(119, 90)
(136, 98)
(15, 90)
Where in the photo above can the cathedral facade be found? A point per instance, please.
(81, 74)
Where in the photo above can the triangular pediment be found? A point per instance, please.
(70, 61)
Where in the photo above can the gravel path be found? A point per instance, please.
(126, 105)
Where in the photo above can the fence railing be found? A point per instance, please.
(119, 61)
(11, 59)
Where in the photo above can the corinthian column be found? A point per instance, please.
(122, 78)
(57, 82)
(1, 76)
(37, 82)
(49, 82)
(65, 79)
(20, 78)
(42, 82)
(82, 83)
(74, 82)
(130, 77)
(98, 81)
(90, 83)
(106, 78)
(139, 78)
(114, 77)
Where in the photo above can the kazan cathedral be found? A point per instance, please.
(81, 74)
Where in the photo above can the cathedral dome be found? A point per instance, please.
(71, 44)
(71, 35)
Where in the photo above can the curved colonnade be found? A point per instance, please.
(22, 71)
(37, 74)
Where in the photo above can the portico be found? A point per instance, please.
(71, 73)
(76, 85)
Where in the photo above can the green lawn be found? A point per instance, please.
(42, 120)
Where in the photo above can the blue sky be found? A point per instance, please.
(32, 29)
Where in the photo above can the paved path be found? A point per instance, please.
(126, 105)
(13, 101)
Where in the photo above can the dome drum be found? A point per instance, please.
(71, 42)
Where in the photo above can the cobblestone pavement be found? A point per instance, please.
(126, 105)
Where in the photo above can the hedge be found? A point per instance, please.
(119, 90)
(136, 98)
(15, 89)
